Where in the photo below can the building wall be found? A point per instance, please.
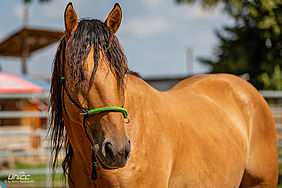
(163, 84)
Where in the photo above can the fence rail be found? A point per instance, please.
(13, 134)
(44, 95)
(44, 151)
(22, 114)
(42, 133)
(274, 94)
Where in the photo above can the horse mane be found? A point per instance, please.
(134, 74)
(89, 33)
(97, 34)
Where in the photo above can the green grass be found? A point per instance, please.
(23, 165)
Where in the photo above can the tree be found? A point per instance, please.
(253, 45)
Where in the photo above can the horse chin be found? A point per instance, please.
(106, 166)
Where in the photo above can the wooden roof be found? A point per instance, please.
(28, 40)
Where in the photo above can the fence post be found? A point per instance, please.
(48, 162)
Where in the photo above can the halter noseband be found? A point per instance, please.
(85, 114)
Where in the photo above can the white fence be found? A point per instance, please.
(15, 140)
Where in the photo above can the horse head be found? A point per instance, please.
(89, 72)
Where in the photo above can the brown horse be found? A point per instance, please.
(208, 131)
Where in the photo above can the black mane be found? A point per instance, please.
(96, 34)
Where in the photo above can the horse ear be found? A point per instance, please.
(114, 18)
(71, 20)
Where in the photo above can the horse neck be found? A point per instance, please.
(140, 100)
(137, 89)
(79, 141)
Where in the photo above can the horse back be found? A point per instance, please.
(232, 94)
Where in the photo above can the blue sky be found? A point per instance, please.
(155, 34)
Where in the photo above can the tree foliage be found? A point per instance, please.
(253, 44)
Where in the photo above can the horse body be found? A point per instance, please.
(208, 131)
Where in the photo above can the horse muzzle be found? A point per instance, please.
(113, 155)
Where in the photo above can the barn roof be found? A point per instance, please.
(28, 40)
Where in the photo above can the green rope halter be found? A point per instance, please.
(98, 110)
(105, 109)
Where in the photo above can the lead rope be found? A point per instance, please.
(93, 163)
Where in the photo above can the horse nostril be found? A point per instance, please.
(109, 150)
(127, 149)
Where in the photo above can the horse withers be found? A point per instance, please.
(207, 131)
